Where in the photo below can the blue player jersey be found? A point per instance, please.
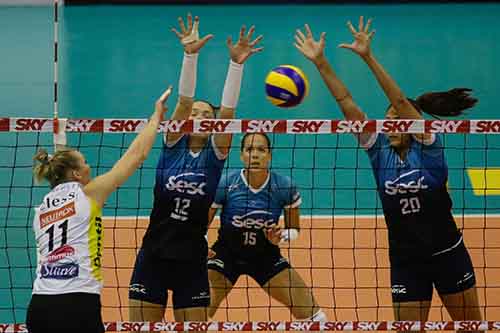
(247, 212)
(184, 190)
(414, 196)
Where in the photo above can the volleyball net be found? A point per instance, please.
(342, 250)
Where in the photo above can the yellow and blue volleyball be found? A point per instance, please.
(286, 86)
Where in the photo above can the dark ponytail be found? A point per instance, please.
(445, 104)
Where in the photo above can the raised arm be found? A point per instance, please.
(239, 53)
(192, 43)
(314, 51)
(362, 46)
(102, 186)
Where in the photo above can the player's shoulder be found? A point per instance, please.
(179, 145)
(230, 176)
(277, 177)
(279, 182)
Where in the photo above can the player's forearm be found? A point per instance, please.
(187, 87)
(391, 89)
(230, 98)
(336, 87)
(339, 91)
(142, 144)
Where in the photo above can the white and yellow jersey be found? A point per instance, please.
(69, 238)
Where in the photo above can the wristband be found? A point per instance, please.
(289, 235)
(187, 81)
(232, 86)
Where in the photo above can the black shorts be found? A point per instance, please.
(261, 269)
(153, 276)
(449, 272)
(73, 312)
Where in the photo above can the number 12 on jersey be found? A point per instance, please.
(180, 211)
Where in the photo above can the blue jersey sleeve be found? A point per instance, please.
(432, 156)
(377, 149)
(170, 152)
(432, 148)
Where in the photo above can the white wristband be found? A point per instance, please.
(232, 86)
(289, 235)
(187, 81)
(60, 135)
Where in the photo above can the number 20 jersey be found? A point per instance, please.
(414, 195)
(185, 188)
(69, 238)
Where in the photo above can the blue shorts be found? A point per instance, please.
(449, 272)
(262, 268)
(153, 276)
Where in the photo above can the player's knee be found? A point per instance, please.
(145, 311)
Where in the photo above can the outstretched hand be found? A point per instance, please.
(362, 38)
(310, 48)
(244, 47)
(190, 36)
(160, 107)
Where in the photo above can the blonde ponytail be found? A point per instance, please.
(55, 169)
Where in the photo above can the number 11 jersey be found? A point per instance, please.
(69, 238)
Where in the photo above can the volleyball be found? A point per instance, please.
(286, 86)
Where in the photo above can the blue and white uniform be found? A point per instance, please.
(417, 209)
(242, 246)
(174, 249)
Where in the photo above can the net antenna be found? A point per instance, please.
(59, 125)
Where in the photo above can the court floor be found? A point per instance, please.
(344, 259)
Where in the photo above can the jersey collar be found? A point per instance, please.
(254, 190)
